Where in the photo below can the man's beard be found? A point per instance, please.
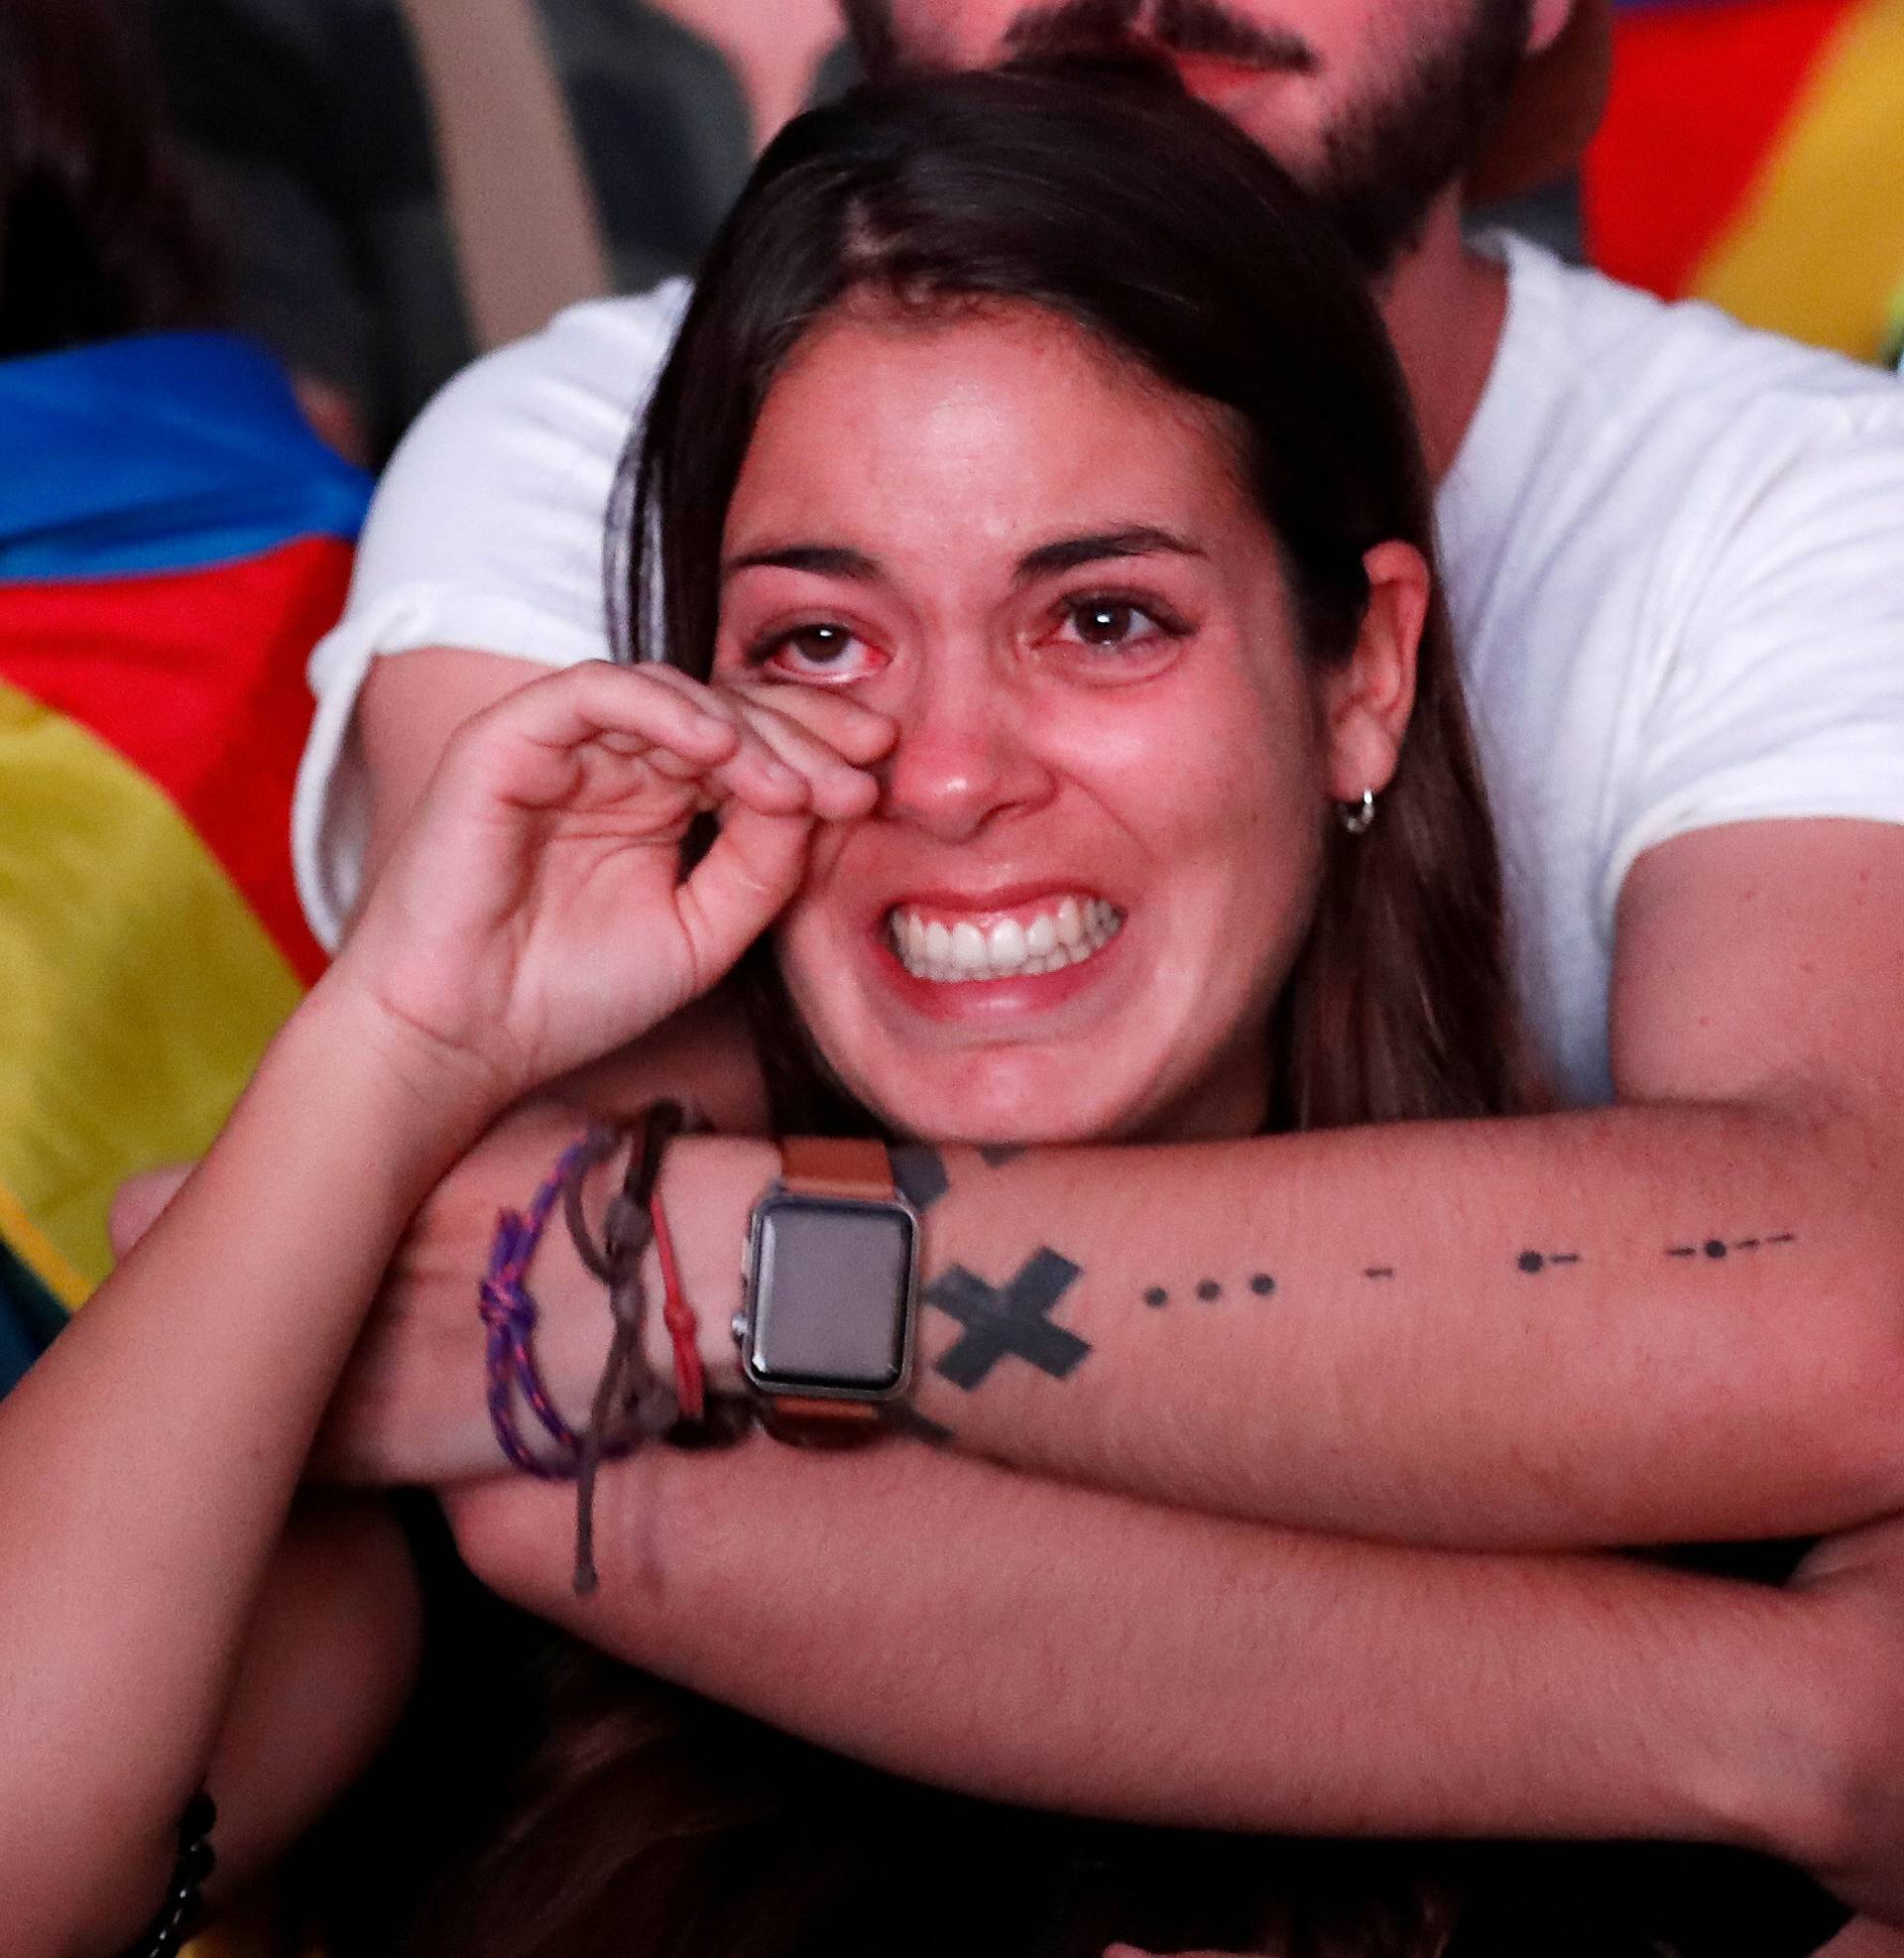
(1384, 160)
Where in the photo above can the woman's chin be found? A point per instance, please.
(1011, 1101)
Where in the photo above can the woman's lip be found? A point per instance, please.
(988, 907)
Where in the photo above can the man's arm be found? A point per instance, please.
(411, 704)
(1038, 1643)
(1680, 1317)
(1672, 1319)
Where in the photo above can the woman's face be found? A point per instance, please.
(1098, 844)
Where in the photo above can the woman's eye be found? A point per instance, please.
(1117, 624)
(822, 651)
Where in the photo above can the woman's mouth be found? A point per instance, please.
(949, 947)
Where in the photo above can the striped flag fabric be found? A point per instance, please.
(1752, 154)
(173, 540)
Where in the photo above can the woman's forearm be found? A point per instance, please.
(1306, 1329)
(1644, 1324)
(151, 1457)
(1061, 1647)
(1492, 1334)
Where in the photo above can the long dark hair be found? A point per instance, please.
(647, 1823)
(1116, 203)
(98, 235)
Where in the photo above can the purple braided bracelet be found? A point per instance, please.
(509, 1313)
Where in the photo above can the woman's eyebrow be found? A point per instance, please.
(1069, 553)
(827, 561)
(839, 561)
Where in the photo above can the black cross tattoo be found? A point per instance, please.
(918, 1173)
(1011, 1319)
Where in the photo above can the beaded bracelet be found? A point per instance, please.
(183, 1909)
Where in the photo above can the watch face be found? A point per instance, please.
(832, 1293)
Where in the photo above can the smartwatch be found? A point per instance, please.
(829, 1283)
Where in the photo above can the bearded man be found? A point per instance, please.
(1674, 559)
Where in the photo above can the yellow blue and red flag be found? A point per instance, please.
(173, 540)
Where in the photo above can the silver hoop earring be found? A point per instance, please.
(1356, 816)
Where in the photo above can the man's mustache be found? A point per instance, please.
(1171, 26)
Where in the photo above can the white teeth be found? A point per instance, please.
(968, 947)
(1005, 945)
(946, 955)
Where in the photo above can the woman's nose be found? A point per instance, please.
(966, 754)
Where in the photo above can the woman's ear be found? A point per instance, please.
(1368, 697)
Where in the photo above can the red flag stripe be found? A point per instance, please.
(197, 679)
(1700, 95)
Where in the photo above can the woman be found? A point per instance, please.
(1018, 592)
(1123, 648)
(1212, 614)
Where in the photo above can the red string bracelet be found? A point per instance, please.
(691, 1386)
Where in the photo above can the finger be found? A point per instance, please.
(774, 764)
(616, 722)
(740, 886)
(858, 733)
(755, 778)
(526, 744)
(840, 789)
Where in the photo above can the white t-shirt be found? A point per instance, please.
(1673, 549)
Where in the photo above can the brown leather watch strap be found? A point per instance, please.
(833, 1165)
(828, 1166)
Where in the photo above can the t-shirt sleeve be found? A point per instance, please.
(488, 531)
(1784, 696)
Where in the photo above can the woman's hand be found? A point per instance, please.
(534, 913)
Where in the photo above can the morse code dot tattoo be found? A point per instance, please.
(1207, 1289)
(1156, 1297)
(1263, 1284)
(1717, 1247)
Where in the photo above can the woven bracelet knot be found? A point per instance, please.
(632, 1402)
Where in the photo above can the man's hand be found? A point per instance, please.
(1855, 1584)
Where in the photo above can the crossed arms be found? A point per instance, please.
(1398, 1375)
(1632, 1386)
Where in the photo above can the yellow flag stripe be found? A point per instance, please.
(1819, 249)
(31, 1244)
(137, 989)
